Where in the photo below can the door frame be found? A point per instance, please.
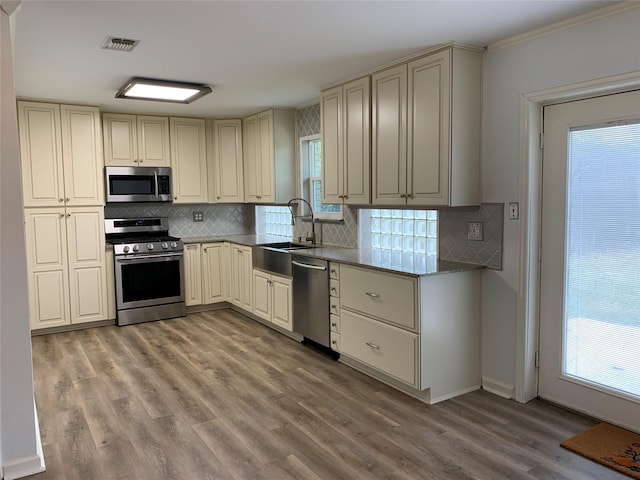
(530, 198)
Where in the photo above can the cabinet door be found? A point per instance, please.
(120, 139)
(251, 163)
(428, 128)
(82, 156)
(213, 278)
(153, 141)
(235, 268)
(192, 275)
(389, 141)
(332, 146)
(87, 271)
(227, 161)
(41, 154)
(188, 160)
(266, 158)
(246, 274)
(262, 295)
(226, 272)
(356, 142)
(46, 243)
(282, 314)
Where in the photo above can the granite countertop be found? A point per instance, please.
(395, 262)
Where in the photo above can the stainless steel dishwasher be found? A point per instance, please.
(311, 299)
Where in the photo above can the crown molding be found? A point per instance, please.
(565, 24)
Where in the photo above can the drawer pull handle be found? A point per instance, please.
(333, 270)
(333, 307)
(334, 324)
(333, 289)
(373, 345)
(334, 342)
(374, 295)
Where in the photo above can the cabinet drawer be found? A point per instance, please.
(334, 305)
(335, 323)
(334, 270)
(386, 296)
(335, 342)
(391, 350)
(334, 288)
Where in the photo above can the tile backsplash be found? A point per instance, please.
(219, 219)
(344, 234)
(452, 235)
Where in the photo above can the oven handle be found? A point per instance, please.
(155, 176)
(145, 257)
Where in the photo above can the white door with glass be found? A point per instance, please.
(590, 267)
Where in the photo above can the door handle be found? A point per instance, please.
(306, 265)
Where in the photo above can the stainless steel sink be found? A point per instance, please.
(275, 257)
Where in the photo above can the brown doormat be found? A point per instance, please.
(612, 446)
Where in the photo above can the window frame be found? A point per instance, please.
(307, 180)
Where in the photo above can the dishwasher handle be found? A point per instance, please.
(306, 265)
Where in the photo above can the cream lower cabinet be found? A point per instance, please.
(272, 300)
(66, 262)
(192, 274)
(205, 272)
(241, 275)
(420, 334)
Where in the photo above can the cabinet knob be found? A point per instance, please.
(140, 161)
(61, 200)
(67, 199)
(334, 324)
(218, 197)
(334, 342)
(333, 289)
(68, 215)
(62, 215)
(175, 198)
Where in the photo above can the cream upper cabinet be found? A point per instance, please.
(192, 274)
(228, 168)
(426, 130)
(214, 276)
(136, 140)
(188, 160)
(61, 154)
(269, 156)
(345, 124)
(66, 263)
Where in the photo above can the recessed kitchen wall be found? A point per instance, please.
(219, 219)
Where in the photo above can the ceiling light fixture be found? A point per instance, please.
(162, 90)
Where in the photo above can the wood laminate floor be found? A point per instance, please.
(216, 395)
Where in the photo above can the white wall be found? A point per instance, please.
(19, 436)
(599, 48)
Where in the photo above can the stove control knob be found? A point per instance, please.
(126, 249)
(136, 248)
(149, 246)
(165, 246)
(174, 244)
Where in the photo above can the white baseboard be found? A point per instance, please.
(22, 467)
(498, 388)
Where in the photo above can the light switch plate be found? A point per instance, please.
(475, 231)
(198, 216)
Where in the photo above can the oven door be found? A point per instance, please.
(148, 280)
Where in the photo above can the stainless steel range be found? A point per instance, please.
(148, 269)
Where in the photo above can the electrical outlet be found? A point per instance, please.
(514, 211)
(474, 231)
(198, 216)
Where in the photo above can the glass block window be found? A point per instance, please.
(272, 220)
(414, 231)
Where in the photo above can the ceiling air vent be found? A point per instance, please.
(121, 44)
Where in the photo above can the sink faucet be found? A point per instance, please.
(312, 237)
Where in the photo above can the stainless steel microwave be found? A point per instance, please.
(138, 184)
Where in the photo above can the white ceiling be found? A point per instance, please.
(255, 54)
